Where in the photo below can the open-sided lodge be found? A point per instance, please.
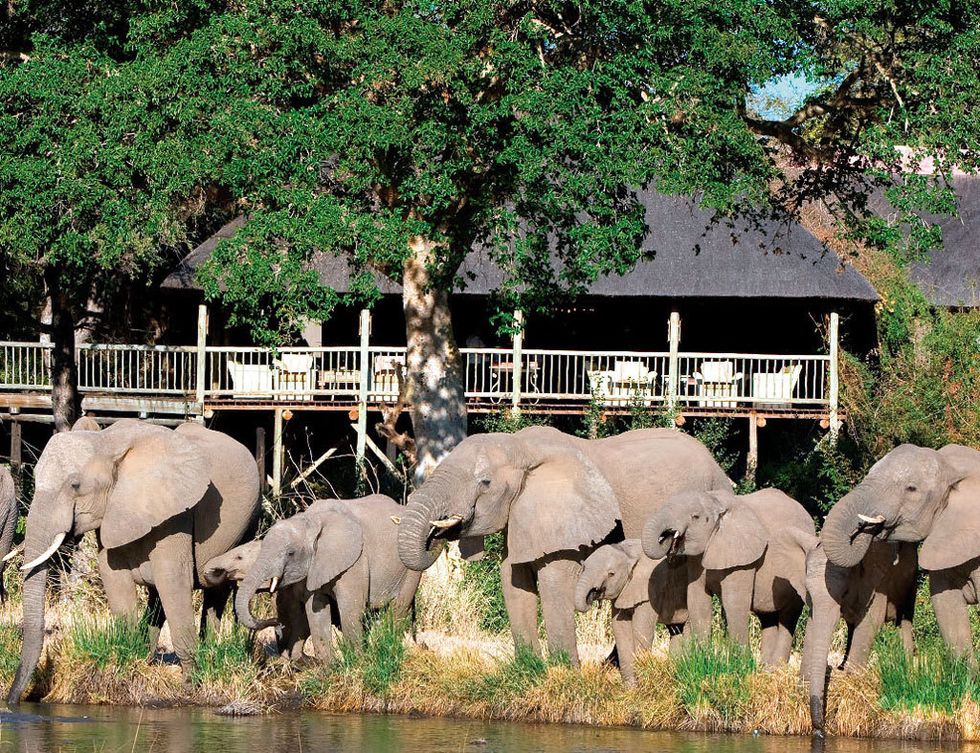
(733, 318)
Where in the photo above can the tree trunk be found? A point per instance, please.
(65, 403)
(433, 361)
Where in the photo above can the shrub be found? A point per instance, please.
(712, 675)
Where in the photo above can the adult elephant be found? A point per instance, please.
(162, 502)
(556, 496)
(8, 521)
(914, 494)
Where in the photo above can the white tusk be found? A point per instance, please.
(13, 553)
(396, 520)
(272, 588)
(677, 534)
(877, 520)
(50, 550)
(446, 522)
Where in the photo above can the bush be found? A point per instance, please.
(712, 675)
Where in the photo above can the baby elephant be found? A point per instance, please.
(641, 595)
(344, 555)
(752, 550)
(234, 565)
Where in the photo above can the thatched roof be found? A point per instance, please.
(690, 257)
(951, 275)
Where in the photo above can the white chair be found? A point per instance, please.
(775, 389)
(250, 380)
(718, 384)
(385, 377)
(627, 380)
(295, 376)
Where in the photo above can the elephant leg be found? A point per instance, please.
(295, 629)
(736, 602)
(521, 599)
(644, 626)
(352, 601)
(320, 619)
(770, 637)
(173, 575)
(865, 631)
(952, 612)
(215, 599)
(154, 620)
(120, 589)
(403, 605)
(789, 618)
(557, 578)
(676, 641)
(622, 627)
(699, 610)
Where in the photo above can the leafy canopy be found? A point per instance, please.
(349, 127)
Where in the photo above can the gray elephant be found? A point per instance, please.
(752, 550)
(343, 554)
(557, 497)
(163, 502)
(878, 589)
(233, 567)
(643, 592)
(8, 522)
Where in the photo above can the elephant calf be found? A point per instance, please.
(344, 555)
(235, 565)
(642, 593)
(752, 550)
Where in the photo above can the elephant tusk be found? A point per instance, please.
(677, 535)
(50, 550)
(875, 521)
(446, 522)
(396, 520)
(13, 553)
(275, 582)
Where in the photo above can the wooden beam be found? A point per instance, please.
(364, 362)
(16, 445)
(201, 361)
(371, 445)
(313, 466)
(277, 451)
(752, 459)
(834, 335)
(260, 457)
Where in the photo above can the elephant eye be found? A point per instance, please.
(484, 482)
(911, 488)
(695, 517)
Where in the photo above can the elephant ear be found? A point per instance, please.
(637, 588)
(159, 474)
(566, 503)
(955, 535)
(336, 548)
(739, 540)
(471, 548)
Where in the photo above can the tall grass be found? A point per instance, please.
(117, 642)
(713, 675)
(933, 679)
(224, 655)
(512, 678)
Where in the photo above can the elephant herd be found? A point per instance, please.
(646, 520)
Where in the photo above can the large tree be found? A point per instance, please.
(400, 134)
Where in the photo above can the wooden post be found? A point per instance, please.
(518, 359)
(260, 457)
(673, 361)
(364, 361)
(834, 396)
(16, 444)
(202, 336)
(277, 454)
(752, 459)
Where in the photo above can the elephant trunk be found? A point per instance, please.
(659, 535)
(424, 527)
(824, 613)
(243, 603)
(850, 528)
(33, 627)
(585, 594)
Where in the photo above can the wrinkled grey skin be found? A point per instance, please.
(233, 567)
(914, 494)
(8, 520)
(641, 593)
(752, 551)
(343, 554)
(879, 589)
(556, 497)
(163, 503)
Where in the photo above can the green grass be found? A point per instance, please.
(933, 679)
(484, 576)
(9, 651)
(112, 641)
(224, 654)
(713, 675)
(510, 680)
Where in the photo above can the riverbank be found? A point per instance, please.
(92, 659)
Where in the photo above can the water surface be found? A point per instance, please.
(108, 729)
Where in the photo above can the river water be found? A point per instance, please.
(104, 729)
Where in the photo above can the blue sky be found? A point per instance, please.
(781, 97)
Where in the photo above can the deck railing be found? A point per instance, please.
(525, 377)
